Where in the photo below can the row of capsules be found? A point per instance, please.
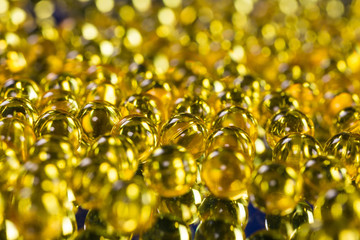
(91, 155)
(59, 163)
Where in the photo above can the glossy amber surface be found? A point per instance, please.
(142, 133)
(130, 207)
(237, 117)
(98, 118)
(227, 210)
(171, 171)
(275, 188)
(226, 173)
(345, 147)
(295, 149)
(118, 150)
(185, 130)
(285, 122)
(218, 229)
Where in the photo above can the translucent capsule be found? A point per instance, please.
(306, 94)
(106, 92)
(19, 108)
(37, 214)
(98, 118)
(130, 207)
(65, 82)
(232, 97)
(91, 182)
(159, 89)
(287, 224)
(226, 173)
(234, 138)
(185, 130)
(275, 188)
(345, 147)
(267, 235)
(237, 117)
(340, 205)
(171, 171)
(213, 229)
(21, 88)
(235, 212)
(120, 151)
(57, 150)
(95, 223)
(322, 173)
(295, 149)
(184, 207)
(285, 122)
(147, 105)
(194, 105)
(347, 120)
(44, 176)
(17, 135)
(274, 102)
(167, 227)
(333, 103)
(58, 99)
(141, 131)
(59, 123)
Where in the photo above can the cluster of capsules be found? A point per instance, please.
(167, 119)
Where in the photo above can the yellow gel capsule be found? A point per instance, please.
(184, 207)
(104, 92)
(347, 120)
(37, 214)
(322, 173)
(234, 138)
(18, 136)
(185, 130)
(21, 88)
(167, 227)
(58, 99)
(59, 123)
(65, 82)
(345, 147)
(213, 229)
(274, 102)
(295, 149)
(235, 212)
(130, 207)
(171, 171)
(339, 204)
(146, 105)
(142, 133)
(194, 105)
(97, 225)
(57, 150)
(226, 173)
(237, 117)
(275, 188)
(285, 122)
(19, 108)
(98, 118)
(120, 151)
(91, 182)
